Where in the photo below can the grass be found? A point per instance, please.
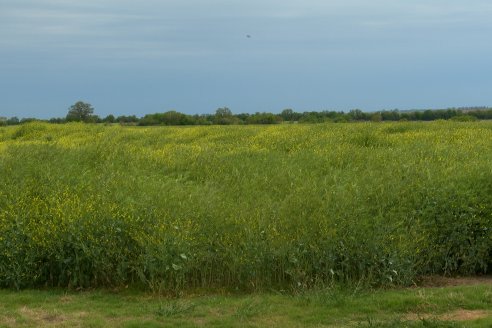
(245, 208)
(456, 306)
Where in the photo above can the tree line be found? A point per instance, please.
(84, 112)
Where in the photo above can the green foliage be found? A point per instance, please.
(458, 232)
(263, 118)
(167, 118)
(80, 112)
(224, 116)
(251, 207)
(464, 118)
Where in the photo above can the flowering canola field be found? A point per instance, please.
(243, 207)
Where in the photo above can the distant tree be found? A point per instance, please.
(224, 115)
(202, 119)
(288, 115)
(311, 117)
(223, 112)
(464, 118)
(3, 121)
(242, 118)
(109, 119)
(357, 115)
(168, 118)
(428, 115)
(122, 119)
(57, 120)
(13, 121)
(392, 115)
(264, 118)
(28, 119)
(80, 112)
(173, 117)
(485, 114)
(416, 116)
(376, 117)
(450, 113)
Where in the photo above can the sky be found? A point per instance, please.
(138, 57)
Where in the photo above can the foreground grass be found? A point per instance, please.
(456, 306)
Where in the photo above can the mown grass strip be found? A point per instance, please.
(457, 306)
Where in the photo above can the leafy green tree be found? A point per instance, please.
(223, 112)
(376, 117)
(428, 115)
(392, 115)
(57, 120)
(168, 118)
(464, 118)
(357, 115)
(80, 112)
(122, 119)
(264, 118)
(224, 115)
(176, 118)
(109, 119)
(13, 121)
(311, 117)
(287, 114)
(28, 119)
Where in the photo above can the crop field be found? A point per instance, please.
(282, 207)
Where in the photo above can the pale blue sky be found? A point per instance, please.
(137, 57)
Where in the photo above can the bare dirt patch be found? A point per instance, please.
(40, 316)
(457, 315)
(438, 281)
(7, 321)
(464, 315)
(66, 299)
